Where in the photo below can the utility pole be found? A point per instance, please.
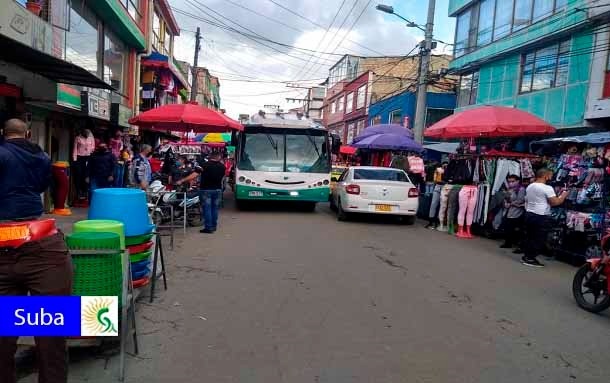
(422, 83)
(195, 63)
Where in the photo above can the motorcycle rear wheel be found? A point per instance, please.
(584, 288)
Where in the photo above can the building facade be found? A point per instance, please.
(400, 109)
(313, 107)
(161, 80)
(355, 83)
(208, 89)
(70, 67)
(547, 57)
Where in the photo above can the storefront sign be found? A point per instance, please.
(120, 115)
(97, 105)
(69, 96)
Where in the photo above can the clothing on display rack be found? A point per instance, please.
(467, 199)
(444, 202)
(453, 206)
(436, 201)
(505, 168)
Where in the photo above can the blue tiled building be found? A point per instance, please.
(400, 109)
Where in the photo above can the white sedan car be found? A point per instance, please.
(375, 190)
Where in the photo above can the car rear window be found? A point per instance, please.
(380, 175)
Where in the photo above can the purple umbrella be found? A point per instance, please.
(384, 129)
(388, 141)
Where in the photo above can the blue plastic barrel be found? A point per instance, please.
(125, 205)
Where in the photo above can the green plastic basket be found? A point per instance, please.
(140, 256)
(137, 240)
(96, 274)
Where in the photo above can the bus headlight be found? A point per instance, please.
(241, 179)
(326, 182)
(248, 181)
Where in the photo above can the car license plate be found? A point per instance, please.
(383, 207)
(14, 232)
(255, 194)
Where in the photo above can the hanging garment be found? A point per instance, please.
(594, 175)
(442, 213)
(436, 200)
(453, 204)
(479, 205)
(505, 168)
(476, 172)
(526, 168)
(467, 200)
(416, 165)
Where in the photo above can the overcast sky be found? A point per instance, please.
(250, 73)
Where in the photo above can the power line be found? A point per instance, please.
(253, 35)
(324, 36)
(321, 26)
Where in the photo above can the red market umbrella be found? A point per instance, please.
(346, 149)
(185, 117)
(489, 121)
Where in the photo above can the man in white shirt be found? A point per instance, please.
(539, 198)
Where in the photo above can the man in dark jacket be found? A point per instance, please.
(38, 267)
(210, 190)
(101, 168)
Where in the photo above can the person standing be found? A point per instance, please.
(212, 174)
(116, 147)
(141, 172)
(38, 267)
(539, 198)
(101, 168)
(515, 211)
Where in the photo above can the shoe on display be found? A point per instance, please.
(442, 228)
(531, 262)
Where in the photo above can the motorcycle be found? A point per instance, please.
(161, 198)
(591, 285)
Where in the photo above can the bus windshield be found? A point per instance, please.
(302, 152)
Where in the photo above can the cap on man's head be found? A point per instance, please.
(15, 128)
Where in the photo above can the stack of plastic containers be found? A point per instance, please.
(128, 206)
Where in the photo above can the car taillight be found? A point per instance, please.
(352, 189)
(413, 192)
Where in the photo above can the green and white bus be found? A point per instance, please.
(282, 157)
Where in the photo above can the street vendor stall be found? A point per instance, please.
(468, 190)
(580, 164)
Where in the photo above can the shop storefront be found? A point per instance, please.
(162, 82)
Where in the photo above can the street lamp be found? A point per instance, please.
(389, 9)
(424, 64)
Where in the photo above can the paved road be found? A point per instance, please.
(298, 297)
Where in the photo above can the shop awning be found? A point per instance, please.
(443, 147)
(591, 138)
(48, 66)
(157, 60)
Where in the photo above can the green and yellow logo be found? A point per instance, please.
(99, 316)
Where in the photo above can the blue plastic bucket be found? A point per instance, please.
(125, 205)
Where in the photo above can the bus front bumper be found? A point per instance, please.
(318, 194)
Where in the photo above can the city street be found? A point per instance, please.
(278, 296)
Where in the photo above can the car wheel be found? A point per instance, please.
(341, 214)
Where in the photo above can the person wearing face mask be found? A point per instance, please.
(515, 211)
(539, 198)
